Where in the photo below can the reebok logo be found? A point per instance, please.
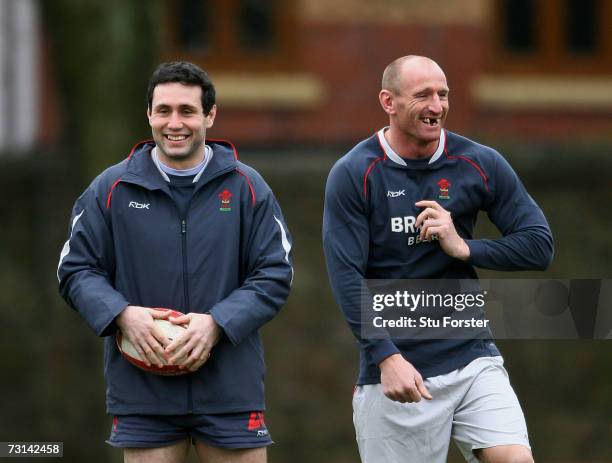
(395, 194)
(136, 205)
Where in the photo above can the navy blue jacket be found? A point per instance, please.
(368, 233)
(230, 256)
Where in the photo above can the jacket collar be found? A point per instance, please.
(198, 170)
(142, 170)
(397, 159)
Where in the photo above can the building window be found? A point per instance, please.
(552, 36)
(193, 28)
(519, 25)
(257, 24)
(231, 35)
(582, 28)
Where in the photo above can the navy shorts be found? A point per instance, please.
(230, 430)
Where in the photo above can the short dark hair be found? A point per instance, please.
(185, 73)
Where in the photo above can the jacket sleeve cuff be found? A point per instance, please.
(478, 252)
(381, 349)
(109, 326)
(224, 323)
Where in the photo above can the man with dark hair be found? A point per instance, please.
(186, 74)
(181, 224)
(402, 204)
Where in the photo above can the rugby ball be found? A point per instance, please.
(171, 331)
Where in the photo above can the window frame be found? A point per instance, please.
(225, 51)
(551, 54)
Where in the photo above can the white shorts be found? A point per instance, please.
(475, 405)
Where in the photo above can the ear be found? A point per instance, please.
(149, 114)
(385, 97)
(210, 117)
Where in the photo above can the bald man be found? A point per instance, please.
(402, 204)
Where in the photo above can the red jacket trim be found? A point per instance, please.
(365, 177)
(219, 140)
(250, 185)
(110, 193)
(473, 164)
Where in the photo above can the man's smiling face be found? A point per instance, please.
(178, 124)
(421, 105)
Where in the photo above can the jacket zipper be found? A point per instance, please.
(185, 274)
(183, 224)
(186, 295)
